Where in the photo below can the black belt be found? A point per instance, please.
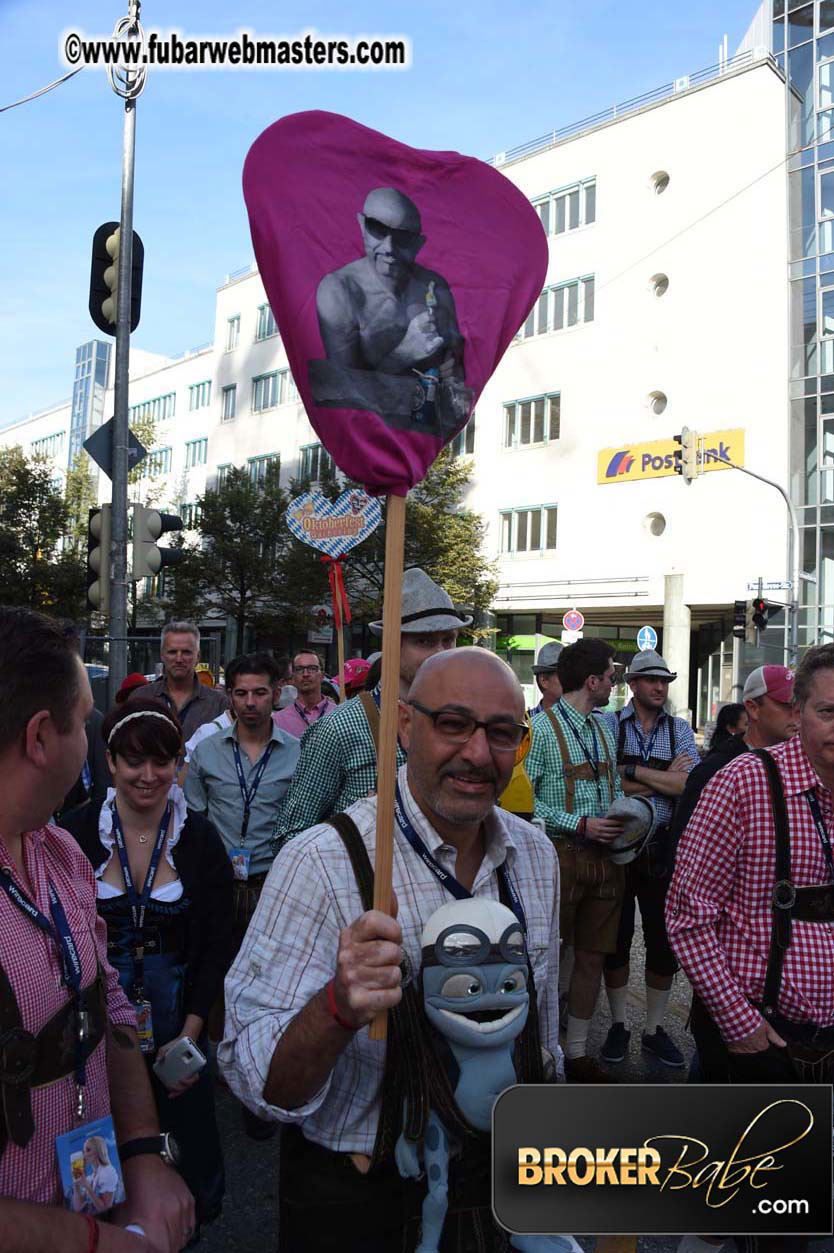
(32, 1061)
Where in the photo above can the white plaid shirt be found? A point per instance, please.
(290, 949)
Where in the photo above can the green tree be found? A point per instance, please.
(239, 568)
(34, 518)
(80, 497)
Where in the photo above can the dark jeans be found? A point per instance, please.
(647, 882)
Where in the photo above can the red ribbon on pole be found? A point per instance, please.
(335, 574)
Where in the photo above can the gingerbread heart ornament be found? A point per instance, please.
(398, 277)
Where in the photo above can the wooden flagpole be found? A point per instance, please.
(390, 690)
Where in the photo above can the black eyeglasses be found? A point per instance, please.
(399, 236)
(459, 728)
(306, 669)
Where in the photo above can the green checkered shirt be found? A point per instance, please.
(337, 767)
(546, 773)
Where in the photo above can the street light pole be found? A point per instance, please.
(794, 559)
(129, 84)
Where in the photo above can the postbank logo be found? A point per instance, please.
(656, 459)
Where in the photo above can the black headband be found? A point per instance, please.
(433, 613)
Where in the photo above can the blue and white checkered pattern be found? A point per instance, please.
(314, 507)
(661, 748)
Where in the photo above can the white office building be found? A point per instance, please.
(666, 306)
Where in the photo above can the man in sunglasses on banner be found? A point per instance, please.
(319, 963)
(386, 313)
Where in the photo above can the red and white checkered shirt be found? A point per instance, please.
(718, 909)
(32, 964)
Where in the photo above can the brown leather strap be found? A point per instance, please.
(568, 767)
(371, 717)
(28, 1061)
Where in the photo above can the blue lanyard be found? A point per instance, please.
(816, 814)
(138, 904)
(304, 713)
(645, 752)
(248, 794)
(450, 883)
(58, 931)
(593, 762)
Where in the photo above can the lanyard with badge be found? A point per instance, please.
(644, 749)
(69, 1147)
(593, 761)
(138, 905)
(241, 857)
(445, 877)
(816, 814)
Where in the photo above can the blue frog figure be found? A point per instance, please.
(474, 976)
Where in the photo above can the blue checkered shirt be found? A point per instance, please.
(656, 744)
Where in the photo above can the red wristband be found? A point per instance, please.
(93, 1233)
(331, 1005)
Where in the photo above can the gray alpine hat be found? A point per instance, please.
(547, 658)
(649, 665)
(425, 607)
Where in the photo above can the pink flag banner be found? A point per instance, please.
(398, 278)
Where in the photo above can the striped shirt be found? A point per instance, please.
(657, 744)
(718, 909)
(337, 767)
(290, 951)
(545, 769)
(33, 967)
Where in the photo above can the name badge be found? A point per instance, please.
(91, 1173)
(241, 857)
(144, 1025)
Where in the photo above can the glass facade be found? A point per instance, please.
(803, 44)
(91, 364)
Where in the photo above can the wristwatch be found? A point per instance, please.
(164, 1146)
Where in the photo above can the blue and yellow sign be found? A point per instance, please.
(718, 450)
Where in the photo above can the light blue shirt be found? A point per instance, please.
(212, 788)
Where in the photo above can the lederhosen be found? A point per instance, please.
(30, 1061)
(809, 1057)
(328, 1205)
(647, 878)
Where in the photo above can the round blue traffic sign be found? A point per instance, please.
(646, 638)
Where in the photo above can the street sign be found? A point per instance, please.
(773, 586)
(100, 448)
(573, 620)
(646, 638)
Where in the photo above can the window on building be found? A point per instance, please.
(269, 390)
(531, 422)
(49, 445)
(315, 463)
(267, 326)
(258, 466)
(199, 395)
(196, 451)
(190, 515)
(228, 403)
(158, 410)
(568, 208)
(563, 305)
(528, 530)
(157, 462)
(463, 443)
(233, 332)
(222, 475)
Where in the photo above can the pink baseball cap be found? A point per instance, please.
(773, 681)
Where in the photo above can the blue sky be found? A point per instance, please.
(485, 76)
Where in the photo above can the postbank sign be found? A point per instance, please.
(656, 459)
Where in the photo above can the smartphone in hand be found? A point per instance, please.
(183, 1061)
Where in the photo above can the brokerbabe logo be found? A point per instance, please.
(619, 464)
(660, 1159)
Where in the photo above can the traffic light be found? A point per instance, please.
(686, 461)
(98, 559)
(763, 610)
(740, 619)
(104, 278)
(148, 525)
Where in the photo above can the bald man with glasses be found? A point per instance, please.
(317, 965)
